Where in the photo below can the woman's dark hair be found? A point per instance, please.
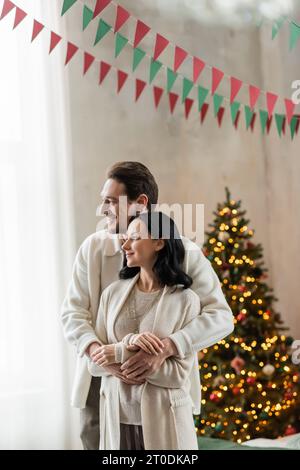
(137, 180)
(168, 266)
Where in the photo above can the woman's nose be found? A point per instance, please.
(126, 245)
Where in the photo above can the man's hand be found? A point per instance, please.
(115, 370)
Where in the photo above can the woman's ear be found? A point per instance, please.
(159, 244)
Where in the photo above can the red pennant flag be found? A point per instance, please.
(88, 60)
(198, 66)
(252, 122)
(289, 107)
(271, 101)
(7, 7)
(160, 45)
(157, 92)
(71, 50)
(235, 86)
(37, 28)
(173, 98)
(268, 123)
(139, 87)
(179, 56)
(100, 5)
(283, 125)
(254, 93)
(188, 103)
(20, 15)
(203, 112)
(220, 115)
(104, 69)
(237, 117)
(122, 77)
(55, 38)
(121, 18)
(140, 32)
(217, 76)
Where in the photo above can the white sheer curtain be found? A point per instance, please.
(36, 237)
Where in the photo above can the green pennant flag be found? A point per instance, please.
(263, 116)
(66, 5)
(138, 55)
(217, 103)
(86, 17)
(248, 115)
(187, 85)
(120, 43)
(234, 107)
(155, 65)
(293, 125)
(279, 122)
(277, 25)
(202, 94)
(102, 30)
(294, 34)
(171, 77)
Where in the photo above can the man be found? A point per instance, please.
(97, 264)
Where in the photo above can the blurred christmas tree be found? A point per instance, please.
(250, 388)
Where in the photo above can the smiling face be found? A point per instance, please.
(140, 249)
(111, 207)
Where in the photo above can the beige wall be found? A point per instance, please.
(193, 163)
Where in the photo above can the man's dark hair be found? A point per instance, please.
(137, 180)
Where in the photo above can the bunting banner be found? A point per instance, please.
(265, 117)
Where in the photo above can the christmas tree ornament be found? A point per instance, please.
(237, 364)
(268, 370)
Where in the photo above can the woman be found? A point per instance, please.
(151, 301)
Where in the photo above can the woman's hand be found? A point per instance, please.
(148, 342)
(104, 356)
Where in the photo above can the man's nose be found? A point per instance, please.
(103, 208)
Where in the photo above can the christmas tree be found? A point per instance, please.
(250, 387)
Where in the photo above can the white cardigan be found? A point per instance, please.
(97, 265)
(170, 395)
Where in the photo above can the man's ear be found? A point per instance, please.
(142, 200)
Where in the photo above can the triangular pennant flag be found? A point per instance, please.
(252, 122)
(54, 40)
(279, 123)
(37, 28)
(254, 93)
(263, 115)
(235, 86)
(140, 32)
(121, 18)
(157, 93)
(88, 60)
(122, 77)
(248, 115)
(298, 123)
(234, 108)
(100, 5)
(271, 101)
(171, 77)
(220, 115)
(20, 15)
(202, 94)
(198, 66)
(104, 69)
(173, 98)
(283, 125)
(294, 34)
(7, 7)
(120, 43)
(138, 55)
(237, 118)
(102, 30)
(217, 103)
(203, 112)
(71, 50)
(155, 66)
(277, 25)
(179, 56)
(160, 45)
(289, 107)
(139, 87)
(188, 103)
(293, 125)
(217, 76)
(66, 5)
(86, 17)
(187, 85)
(269, 123)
